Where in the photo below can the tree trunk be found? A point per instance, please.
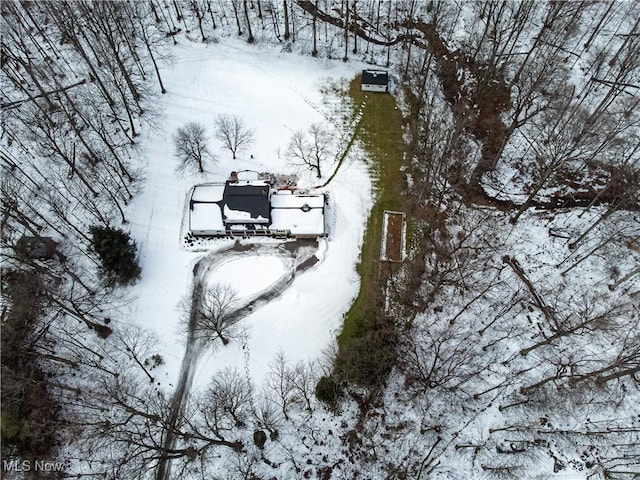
(246, 16)
(346, 31)
(314, 52)
(287, 34)
(235, 12)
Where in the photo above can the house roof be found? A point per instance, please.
(206, 217)
(297, 221)
(246, 202)
(280, 200)
(375, 77)
(210, 192)
(300, 214)
(252, 204)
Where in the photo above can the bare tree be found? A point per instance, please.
(286, 20)
(279, 383)
(310, 151)
(303, 378)
(250, 39)
(214, 313)
(190, 146)
(439, 356)
(140, 346)
(228, 401)
(231, 131)
(267, 415)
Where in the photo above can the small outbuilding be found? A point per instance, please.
(393, 246)
(42, 248)
(375, 81)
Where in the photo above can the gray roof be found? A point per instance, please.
(253, 199)
(375, 77)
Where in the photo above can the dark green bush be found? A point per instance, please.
(370, 355)
(327, 390)
(117, 253)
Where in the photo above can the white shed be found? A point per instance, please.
(375, 81)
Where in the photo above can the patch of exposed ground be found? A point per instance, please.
(393, 251)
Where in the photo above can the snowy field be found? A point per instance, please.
(274, 94)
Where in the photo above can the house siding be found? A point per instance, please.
(374, 88)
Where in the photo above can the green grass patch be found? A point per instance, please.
(381, 129)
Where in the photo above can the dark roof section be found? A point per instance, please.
(253, 199)
(38, 247)
(375, 77)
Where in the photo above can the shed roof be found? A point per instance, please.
(375, 77)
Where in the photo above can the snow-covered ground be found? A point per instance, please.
(274, 94)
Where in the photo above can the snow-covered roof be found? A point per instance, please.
(216, 208)
(300, 214)
(242, 216)
(247, 175)
(297, 221)
(206, 217)
(281, 200)
(210, 192)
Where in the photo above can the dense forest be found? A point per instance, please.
(521, 133)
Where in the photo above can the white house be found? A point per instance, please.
(249, 204)
(375, 81)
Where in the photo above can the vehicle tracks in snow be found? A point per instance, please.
(297, 256)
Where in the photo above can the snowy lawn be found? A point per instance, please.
(274, 94)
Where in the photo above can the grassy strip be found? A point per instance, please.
(381, 135)
(356, 130)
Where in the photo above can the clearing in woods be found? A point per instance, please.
(381, 135)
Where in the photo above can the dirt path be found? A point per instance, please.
(300, 256)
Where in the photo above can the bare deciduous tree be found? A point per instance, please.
(230, 130)
(214, 317)
(190, 146)
(310, 151)
(303, 378)
(138, 345)
(439, 357)
(279, 383)
(228, 400)
(267, 415)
